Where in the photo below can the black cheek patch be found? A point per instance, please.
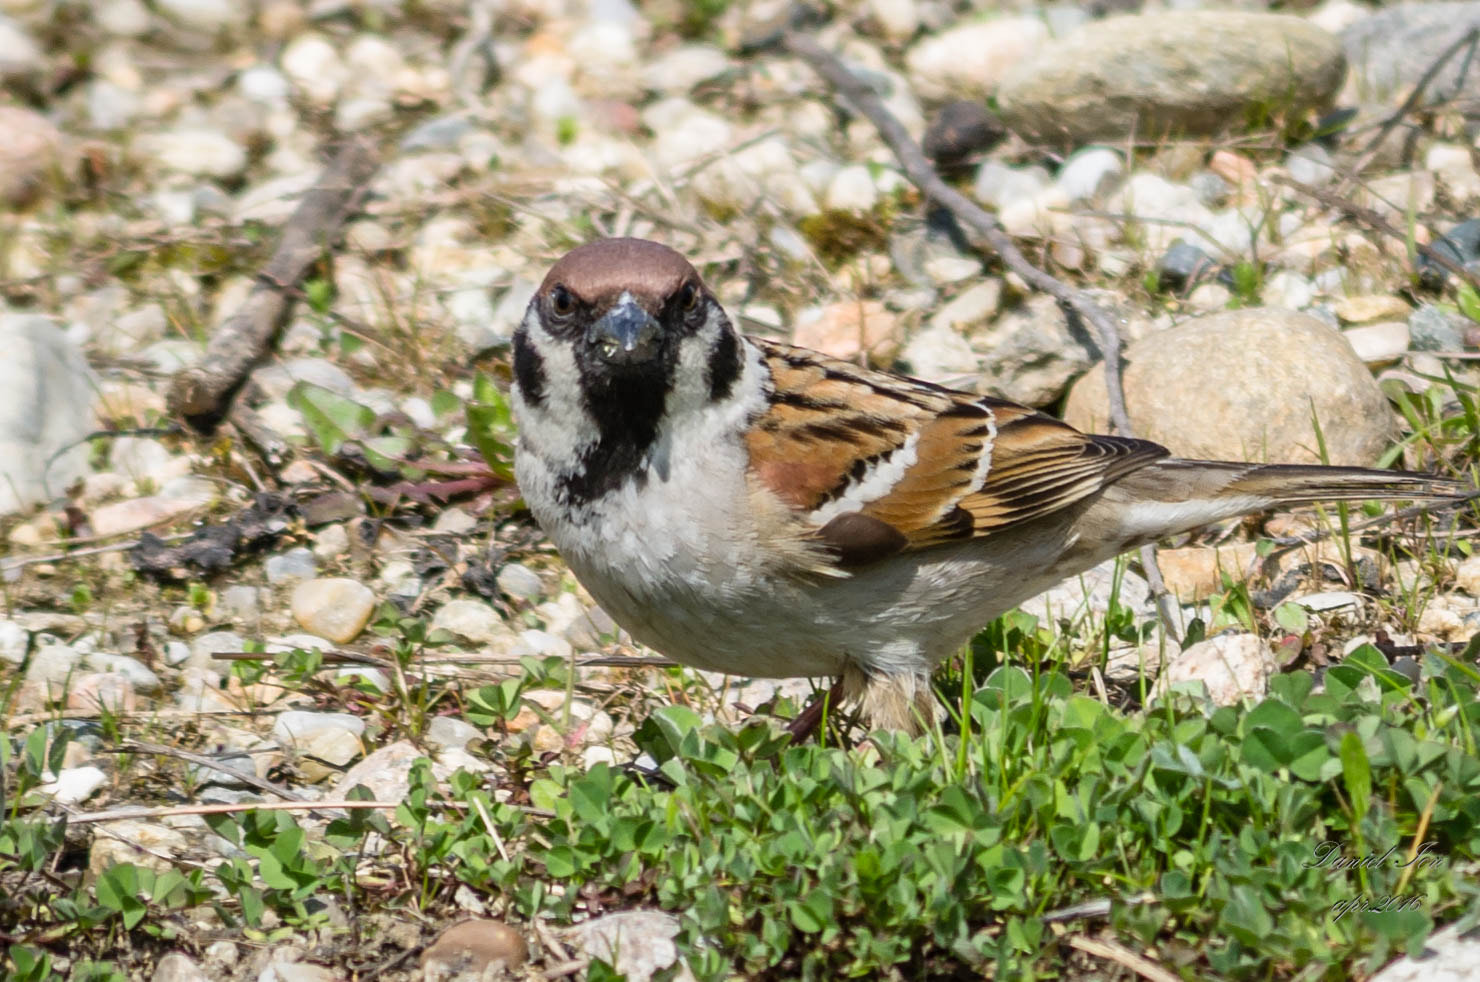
(529, 369)
(856, 539)
(724, 365)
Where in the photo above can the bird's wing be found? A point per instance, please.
(878, 463)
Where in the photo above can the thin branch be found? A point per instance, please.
(202, 394)
(1123, 956)
(920, 172)
(1468, 39)
(1376, 222)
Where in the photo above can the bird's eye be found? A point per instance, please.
(561, 302)
(688, 298)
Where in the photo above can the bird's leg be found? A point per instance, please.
(810, 717)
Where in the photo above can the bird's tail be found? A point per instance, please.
(1173, 495)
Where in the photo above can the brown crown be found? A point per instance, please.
(599, 271)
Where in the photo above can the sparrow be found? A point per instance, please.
(749, 507)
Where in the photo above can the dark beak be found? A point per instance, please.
(625, 335)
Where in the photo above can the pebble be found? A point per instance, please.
(475, 949)
(449, 731)
(74, 785)
(1467, 576)
(851, 189)
(519, 582)
(52, 664)
(1369, 309)
(939, 353)
(333, 738)
(20, 56)
(198, 152)
(287, 567)
(637, 943)
(1233, 667)
(315, 68)
(179, 497)
(972, 59)
(997, 185)
(470, 620)
(139, 675)
(331, 542)
(178, 967)
(30, 155)
(1379, 344)
(205, 15)
(14, 640)
(239, 602)
(1432, 328)
(148, 844)
(848, 328)
(1192, 574)
(1089, 173)
(334, 608)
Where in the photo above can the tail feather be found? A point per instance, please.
(1296, 484)
(1174, 495)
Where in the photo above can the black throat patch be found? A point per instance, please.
(627, 406)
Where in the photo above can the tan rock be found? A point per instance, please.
(1195, 573)
(844, 329)
(474, 949)
(1242, 385)
(1370, 309)
(1232, 666)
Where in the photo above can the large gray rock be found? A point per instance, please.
(1194, 72)
(1243, 385)
(46, 399)
(1391, 49)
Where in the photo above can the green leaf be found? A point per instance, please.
(1356, 773)
(1292, 617)
(330, 417)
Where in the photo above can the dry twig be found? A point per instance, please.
(201, 395)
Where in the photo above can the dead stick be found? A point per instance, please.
(201, 394)
(920, 172)
(1377, 223)
(1121, 955)
(1468, 39)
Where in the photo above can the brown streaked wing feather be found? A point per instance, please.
(1041, 464)
(830, 420)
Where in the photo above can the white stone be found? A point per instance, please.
(678, 71)
(205, 15)
(470, 620)
(122, 18)
(1089, 173)
(199, 152)
(1378, 344)
(315, 67)
(971, 308)
(898, 20)
(970, 60)
(74, 784)
(1232, 667)
(335, 608)
(20, 55)
(851, 189)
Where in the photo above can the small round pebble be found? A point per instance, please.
(335, 608)
(519, 582)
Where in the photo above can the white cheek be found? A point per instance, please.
(559, 428)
